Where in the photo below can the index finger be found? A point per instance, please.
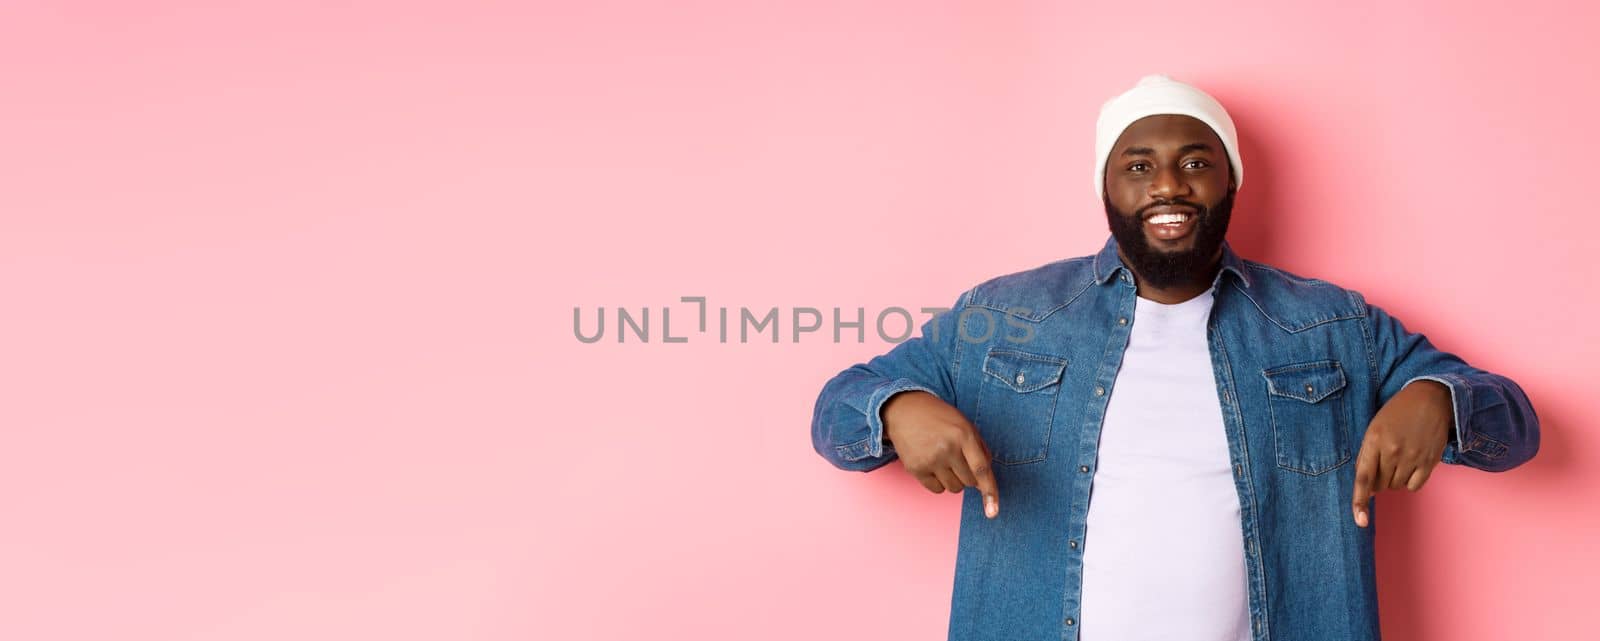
(1366, 471)
(978, 460)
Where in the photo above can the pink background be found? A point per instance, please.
(287, 348)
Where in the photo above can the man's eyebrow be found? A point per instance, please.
(1146, 151)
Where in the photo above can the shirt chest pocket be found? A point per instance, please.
(1017, 403)
(1310, 416)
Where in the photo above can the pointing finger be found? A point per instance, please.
(978, 461)
(1366, 470)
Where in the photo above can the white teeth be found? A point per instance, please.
(1164, 219)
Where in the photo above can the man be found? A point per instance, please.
(1186, 442)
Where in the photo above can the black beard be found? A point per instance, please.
(1163, 269)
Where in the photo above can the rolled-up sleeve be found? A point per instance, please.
(847, 423)
(1496, 428)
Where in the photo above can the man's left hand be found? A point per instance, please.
(1404, 441)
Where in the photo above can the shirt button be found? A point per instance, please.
(1083, 468)
(1309, 389)
(1019, 379)
(1072, 544)
(1238, 470)
(1099, 391)
(1070, 621)
(1122, 321)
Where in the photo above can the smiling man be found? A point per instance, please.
(1187, 442)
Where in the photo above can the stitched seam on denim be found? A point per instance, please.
(974, 301)
(1028, 386)
(1070, 299)
(1049, 416)
(1272, 414)
(1238, 415)
(1295, 367)
(1044, 450)
(1300, 328)
(1286, 328)
(1460, 420)
(1366, 338)
(1239, 266)
(1060, 366)
(1494, 449)
(1463, 407)
(1301, 279)
(1257, 305)
(863, 448)
(964, 301)
(1295, 465)
(1049, 427)
(1036, 317)
(848, 451)
(1272, 373)
(1499, 400)
(1099, 277)
(1105, 356)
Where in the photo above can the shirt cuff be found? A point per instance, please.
(1452, 448)
(876, 442)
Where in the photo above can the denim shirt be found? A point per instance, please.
(1301, 367)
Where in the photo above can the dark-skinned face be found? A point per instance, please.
(1165, 168)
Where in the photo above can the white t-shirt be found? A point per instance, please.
(1163, 555)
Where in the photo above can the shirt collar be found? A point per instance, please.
(1107, 263)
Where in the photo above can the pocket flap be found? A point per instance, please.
(1022, 371)
(1309, 382)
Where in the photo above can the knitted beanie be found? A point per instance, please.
(1157, 94)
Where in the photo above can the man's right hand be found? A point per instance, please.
(939, 446)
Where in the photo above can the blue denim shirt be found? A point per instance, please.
(1301, 367)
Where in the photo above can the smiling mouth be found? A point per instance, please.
(1171, 224)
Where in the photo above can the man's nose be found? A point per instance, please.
(1167, 185)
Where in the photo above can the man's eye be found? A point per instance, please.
(1138, 166)
(1196, 164)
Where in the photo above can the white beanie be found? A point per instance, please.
(1158, 94)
